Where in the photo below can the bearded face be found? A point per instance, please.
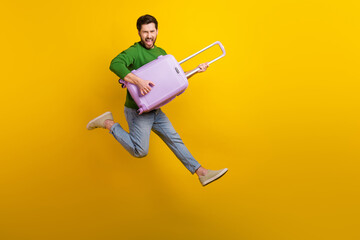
(148, 34)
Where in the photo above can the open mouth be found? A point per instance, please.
(149, 41)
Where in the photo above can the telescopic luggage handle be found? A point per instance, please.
(197, 69)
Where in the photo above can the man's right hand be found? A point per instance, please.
(145, 86)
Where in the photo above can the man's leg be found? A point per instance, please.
(163, 127)
(136, 142)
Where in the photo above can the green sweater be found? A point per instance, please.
(131, 59)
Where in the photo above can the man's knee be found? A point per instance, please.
(140, 153)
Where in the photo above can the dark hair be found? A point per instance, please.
(146, 19)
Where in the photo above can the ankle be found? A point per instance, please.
(201, 171)
(108, 123)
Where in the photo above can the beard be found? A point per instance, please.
(148, 45)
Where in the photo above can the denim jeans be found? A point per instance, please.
(136, 142)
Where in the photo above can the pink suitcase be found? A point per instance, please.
(169, 79)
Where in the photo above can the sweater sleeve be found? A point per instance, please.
(119, 65)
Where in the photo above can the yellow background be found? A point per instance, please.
(281, 111)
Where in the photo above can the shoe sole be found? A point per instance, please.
(219, 175)
(95, 119)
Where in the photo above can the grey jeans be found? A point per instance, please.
(136, 142)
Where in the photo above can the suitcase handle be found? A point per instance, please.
(197, 69)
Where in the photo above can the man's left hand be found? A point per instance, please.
(203, 67)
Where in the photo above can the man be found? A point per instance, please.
(136, 142)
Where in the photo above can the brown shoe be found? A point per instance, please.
(212, 176)
(99, 121)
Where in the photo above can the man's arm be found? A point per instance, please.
(119, 65)
(202, 67)
(143, 85)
